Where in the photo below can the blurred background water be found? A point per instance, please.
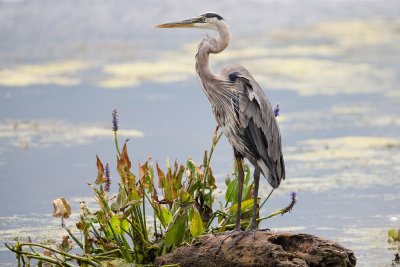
(332, 65)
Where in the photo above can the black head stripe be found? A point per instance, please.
(212, 15)
(233, 76)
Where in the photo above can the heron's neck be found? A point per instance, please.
(211, 44)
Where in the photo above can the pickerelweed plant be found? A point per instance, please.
(182, 198)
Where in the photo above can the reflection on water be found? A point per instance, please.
(61, 73)
(312, 68)
(42, 133)
(334, 73)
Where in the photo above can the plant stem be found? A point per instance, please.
(207, 167)
(82, 259)
(124, 252)
(144, 217)
(116, 142)
(73, 237)
(248, 221)
(270, 193)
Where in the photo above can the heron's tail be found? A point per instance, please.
(275, 174)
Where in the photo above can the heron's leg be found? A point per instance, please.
(253, 226)
(240, 180)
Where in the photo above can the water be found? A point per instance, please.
(332, 65)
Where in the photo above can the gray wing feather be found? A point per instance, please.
(258, 120)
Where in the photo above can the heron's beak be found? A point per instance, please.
(178, 24)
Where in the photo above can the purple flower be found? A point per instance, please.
(115, 120)
(291, 205)
(293, 195)
(276, 110)
(108, 178)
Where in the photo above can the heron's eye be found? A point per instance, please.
(203, 19)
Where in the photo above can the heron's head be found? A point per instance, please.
(210, 21)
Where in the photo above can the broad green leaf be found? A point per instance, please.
(135, 195)
(166, 215)
(394, 235)
(196, 224)
(185, 196)
(231, 191)
(246, 204)
(115, 224)
(176, 233)
(247, 174)
(124, 224)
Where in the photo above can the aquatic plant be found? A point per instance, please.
(181, 197)
(394, 237)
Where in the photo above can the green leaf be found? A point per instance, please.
(246, 204)
(135, 195)
(176, 233)
(166, 215)
(185, 196)
(191, 166)
(124, 224)
(247, 174)
(115, 224)
(231, 191)
(131, 203)
(196, 224)
(394, 235)
(91, 218)
(178, 177)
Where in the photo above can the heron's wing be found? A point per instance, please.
(258, 119)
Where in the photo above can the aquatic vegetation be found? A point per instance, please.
(394, 237)
(181, 198)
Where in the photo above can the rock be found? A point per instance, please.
(268, 249)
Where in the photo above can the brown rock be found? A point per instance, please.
(268, 249)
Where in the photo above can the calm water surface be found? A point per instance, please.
(332, 65)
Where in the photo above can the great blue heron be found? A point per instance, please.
(240, 108)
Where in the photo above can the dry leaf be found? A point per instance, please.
(66, 244)
(100, 172)
(143, 171)
(161, 177)
(47, 252)
(124, 165)
(61, 208)
(125, 162)
(154, 197)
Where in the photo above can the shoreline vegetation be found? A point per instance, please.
(183, 208)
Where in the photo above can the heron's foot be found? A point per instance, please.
(233, 233)
(242, 235)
